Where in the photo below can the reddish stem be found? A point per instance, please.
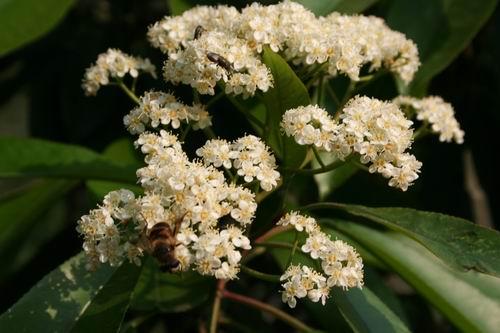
(267, 308)
(272, 232)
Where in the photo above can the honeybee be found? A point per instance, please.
(220, 60)
(198, 31)
(162, 243)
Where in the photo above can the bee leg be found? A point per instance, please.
(178, 223)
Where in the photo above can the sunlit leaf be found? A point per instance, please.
(470, 300)
(324, 8)
(121, 151)
(288, 92)
(23, 157)
(456, 241)
(22, 21)
(17, 242)
(56, 302)
(106, 311)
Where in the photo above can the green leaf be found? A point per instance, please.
(177, 7)
(268, 211)
(178, 292)
(365, 312)
(328, 182)
(23, 157)
(376, 282)
(121, 151)
(107, 310)
(361, 308)
(22, 21)
(368, 257)
(56, 302)
(470, 300)
(354, 6)
(456, 241)
(324, 8)
(22, 212)
(441, 29)
(288, 92)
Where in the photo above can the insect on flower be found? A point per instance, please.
(220, 60)
(198, 32)
(162, 243)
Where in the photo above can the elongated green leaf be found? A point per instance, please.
(377, 284)
(470, 300)
(22, 21)
(106, 312)
(456, 241)
(39, 158)
(120, 151)
(362, 309)
(178, 292)
(324, 8)
(288, 92)
(56, 302)
(441, 29)
(365, 312)
(19, 215)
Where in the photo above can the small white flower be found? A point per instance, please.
(315, 245)
(300, 222)
(252, 159)
(340, 262)
(439, 114)
(216, 152)
(310, 125)
(321, 293)
(114, 63)
(157, 109)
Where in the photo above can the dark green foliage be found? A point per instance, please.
(450, 263)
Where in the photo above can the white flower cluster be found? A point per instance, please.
(184, 194)
(216, 56)
(342, 43)
(341, 264)
(108, 235)
(381, 134)
(368, 40)
(115, 64)
(439, 114)
(248, 155)
(159, 108)
(312, 125)
(172, 33)
(378, 131)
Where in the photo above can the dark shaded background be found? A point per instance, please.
(45, 77)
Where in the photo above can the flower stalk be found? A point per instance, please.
(259, 275)
(216, 306)
(254, 303)
(128, 92)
